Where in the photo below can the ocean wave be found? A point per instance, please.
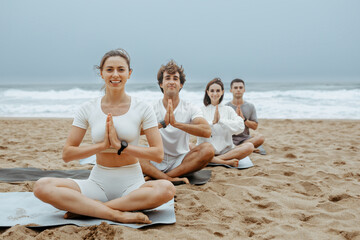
(75, 93)
(292, 104)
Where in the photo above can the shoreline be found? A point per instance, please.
(307, 186)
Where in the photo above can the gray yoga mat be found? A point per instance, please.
(25, 209)
(33, 174)
(243, 164)
(196, 178)
(261, 150)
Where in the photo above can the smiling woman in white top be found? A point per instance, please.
(116, 186)
(224, 123)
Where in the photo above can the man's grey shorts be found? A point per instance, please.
(169, 162)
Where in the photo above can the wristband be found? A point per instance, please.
(124, 144)
(245, 119)
(163, 124)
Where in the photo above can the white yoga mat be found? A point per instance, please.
(243, 164)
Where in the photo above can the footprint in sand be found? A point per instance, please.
(311, 189)
(338, 197)
(290, 155)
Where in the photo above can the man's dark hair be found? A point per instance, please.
(236, 80)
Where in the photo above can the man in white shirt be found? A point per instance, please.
(177, 120)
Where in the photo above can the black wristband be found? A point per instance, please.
(124, 144)
(245, 119)
(163, 124)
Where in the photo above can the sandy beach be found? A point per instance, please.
(306, 187)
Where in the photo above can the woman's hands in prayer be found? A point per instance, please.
(216, 115)
(111, 140)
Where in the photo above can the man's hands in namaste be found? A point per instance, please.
(169, 115)
(239, 112)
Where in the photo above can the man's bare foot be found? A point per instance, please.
(233, 162)
(147, 178)
(131, 217)
(178, 179)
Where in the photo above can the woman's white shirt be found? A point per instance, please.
(128, 126)
(221, 132)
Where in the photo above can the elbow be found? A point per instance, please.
(159, 156)
(206, 133)
(65, 155)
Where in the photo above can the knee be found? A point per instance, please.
(166, 190)
(42, 188)
(207, 150)
(261, 139)
(248, 147)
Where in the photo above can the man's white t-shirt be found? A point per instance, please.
(176, 141)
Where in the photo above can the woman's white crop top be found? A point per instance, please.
(128, 126)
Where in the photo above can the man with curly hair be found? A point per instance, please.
(177, 119)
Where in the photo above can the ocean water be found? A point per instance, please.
(273, 100)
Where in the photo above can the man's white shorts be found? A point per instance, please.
(169, 162)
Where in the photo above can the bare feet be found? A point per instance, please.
(123, 217)
(70, 215)
(147, 178)
(179, 179)
(233, 162)
(175, 181)
(131, 217)
(256, 150)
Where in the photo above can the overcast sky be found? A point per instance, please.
(263, 39)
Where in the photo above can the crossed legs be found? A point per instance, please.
(233, 156)
(196, 159)
(256, 140)
(65, 194)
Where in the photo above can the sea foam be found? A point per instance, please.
(293, 104)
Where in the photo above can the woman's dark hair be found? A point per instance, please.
(207, 100)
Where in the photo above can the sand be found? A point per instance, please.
(306, 187)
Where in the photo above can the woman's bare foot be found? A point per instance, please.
(131, 217)
(119, 216)
(233, 162)
(70, 215)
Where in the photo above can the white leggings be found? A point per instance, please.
(108, 183)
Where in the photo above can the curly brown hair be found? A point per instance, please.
(171, 67)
